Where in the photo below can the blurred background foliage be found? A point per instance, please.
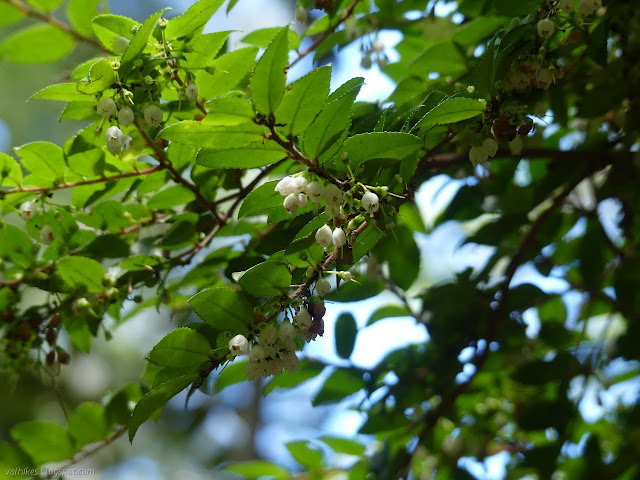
(557, 400)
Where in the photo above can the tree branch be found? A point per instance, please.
(175, 175)
(62, 186)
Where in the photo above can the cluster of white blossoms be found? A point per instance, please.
(585, 7)
(531, 75)
(151, 113)
(275, 347)
(295, 190)
(325, 237)
(481, 153)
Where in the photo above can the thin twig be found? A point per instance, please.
(86, 453)
(80, 183)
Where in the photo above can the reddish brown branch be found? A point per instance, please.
(80, 183)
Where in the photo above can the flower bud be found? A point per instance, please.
(300, 184)
(478, 155)
(269, 334)
(286, 331)
(256, 354)
(113, 136)
(238, 345)
(285, 186)
(148, 80)
(332, 195)
(125, 116)
(546, 28)
(120, 44)
(106, 107)
(315, 191)
(366, 62)
(191, 92)
(27, 211)
(490, 146)
(291, 204)
(324, 236)
(303, 200)
(153, 115)
(323, 287)
(378, 45)
(332, 210)
(303, 318)
(301, 14)
(370, 202)
(310, 272)
(339, 237)
(47, 235)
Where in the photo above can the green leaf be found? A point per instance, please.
(80, 13)
(269, 78)
(478, 29)
(155, 399)
(64, 92)
(231, 374)
(304, 251)
(183, 347)
(101, 77)
(338, 386)
(223, 308)
(174, 196)
(345, 335)
(81, 272)
(401, 251)
(265, 279)
(205, 135)
(141, 38)
(330, 124)
(140, 262)
(43, 441)
(205, 48)
(261, 200)
(452, 111)
(108, 28)
(9, 14)
(365, 242)
(16, 246)
(388, 311)
(10, 171)
(380, 146)
(11, 456)
(230, 69)
(193, 19)
(306, 456)
(251, 156)
(516, 9)
(88, 424)
(264, 36)
(343, 445)
(258, 469)
(443, 57)
(37, 44)
(43, 159)
(303, 100)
